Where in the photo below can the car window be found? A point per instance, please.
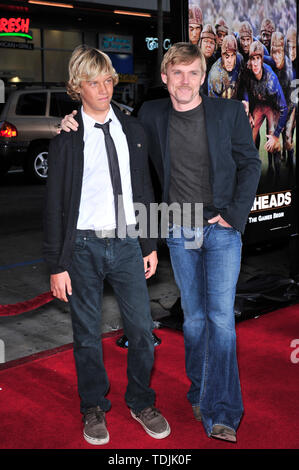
(8, 93)
(61, 104)
(32, 104)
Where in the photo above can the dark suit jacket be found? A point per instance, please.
(235, 163)
(64, 185)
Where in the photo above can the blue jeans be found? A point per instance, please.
(207, 276)
(120, 262)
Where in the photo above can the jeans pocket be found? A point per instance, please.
(223, 227)
(132, 244)
(79, 244)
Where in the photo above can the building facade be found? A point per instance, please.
(37, 38)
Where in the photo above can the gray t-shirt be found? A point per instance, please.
(190, 162)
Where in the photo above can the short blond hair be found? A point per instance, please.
(86, 63)
(183, 53)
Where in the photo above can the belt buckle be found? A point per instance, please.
(105, 233)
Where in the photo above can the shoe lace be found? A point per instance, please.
(95, 415)
(150, 413)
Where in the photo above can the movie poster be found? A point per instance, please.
(250, 51)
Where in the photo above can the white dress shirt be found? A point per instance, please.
(97, 210)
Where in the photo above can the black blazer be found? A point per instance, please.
(235, 163)
(64, 186)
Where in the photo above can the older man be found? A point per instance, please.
(203, 151)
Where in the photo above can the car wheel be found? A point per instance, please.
(37, 164)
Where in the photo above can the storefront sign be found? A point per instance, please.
(16, 45)
(118, 44)
(15, 27)
(152, 43)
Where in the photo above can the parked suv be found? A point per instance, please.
(28, 120)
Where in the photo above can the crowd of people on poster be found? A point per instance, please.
(250, 50)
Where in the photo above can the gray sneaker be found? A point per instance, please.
(95, 431)
(153, 422)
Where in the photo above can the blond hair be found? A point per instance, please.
(183, 53)
(86, 63)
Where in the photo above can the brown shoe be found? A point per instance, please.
(152, 422)
(223, 432)
(95, 431)
(196, 412)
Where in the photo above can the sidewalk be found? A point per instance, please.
(49, 326)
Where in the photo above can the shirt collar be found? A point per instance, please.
(89, 121)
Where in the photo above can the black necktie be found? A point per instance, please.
(114, 173)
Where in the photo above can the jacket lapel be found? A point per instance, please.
(162, 126)
(78, 142)
(126, 129)
(162, 129)
(78, 152)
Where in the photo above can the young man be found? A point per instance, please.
(90, 171)
(203, 152)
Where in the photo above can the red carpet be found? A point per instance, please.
(40, 406)
(27, 305)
